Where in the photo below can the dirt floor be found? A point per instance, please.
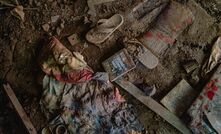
(20, 43)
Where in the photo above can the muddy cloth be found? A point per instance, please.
(93, 107)
(57, 61)
(206, 110)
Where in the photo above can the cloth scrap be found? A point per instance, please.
(87, 108)
(206, 110)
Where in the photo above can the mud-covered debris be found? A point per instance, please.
(191, 66)
(74, 39)
(214, 59)
(46, 27)
(18, 12)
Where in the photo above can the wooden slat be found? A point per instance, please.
(154, 106)
(11, 95)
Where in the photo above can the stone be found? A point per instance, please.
(54, 18)
(46, 27)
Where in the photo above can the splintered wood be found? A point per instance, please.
(18, 107)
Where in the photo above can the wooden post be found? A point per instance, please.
(154, 106)
(18, 107)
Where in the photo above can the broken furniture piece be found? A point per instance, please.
(118, 64)
(205, 112)
(180, 98)
(153, 105)
(18, 107)
(169, 25)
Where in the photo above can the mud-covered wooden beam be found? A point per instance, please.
(19, 109)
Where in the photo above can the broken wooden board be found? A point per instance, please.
(154, 106)
(18, 107)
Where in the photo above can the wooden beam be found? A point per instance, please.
(19, 109)
(154, 106)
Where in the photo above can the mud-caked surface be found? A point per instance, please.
(20, 44)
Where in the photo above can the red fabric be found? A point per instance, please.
(77, 76)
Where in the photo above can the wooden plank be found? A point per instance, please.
(21, 112)
(154, 106)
